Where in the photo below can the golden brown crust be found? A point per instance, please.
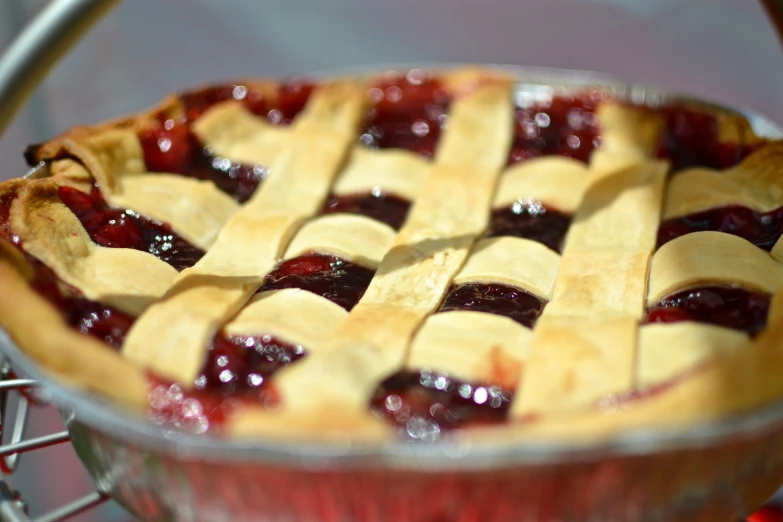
(81, 361)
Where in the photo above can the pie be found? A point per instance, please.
(402, 256)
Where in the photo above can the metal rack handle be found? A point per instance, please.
(41, 45)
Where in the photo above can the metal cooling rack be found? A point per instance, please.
(16, 397)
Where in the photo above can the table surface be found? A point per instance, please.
(722, 49)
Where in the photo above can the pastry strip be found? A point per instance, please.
(584, 345)
(355, 238)
(452, 208)
(293, 315)
(497, 260)
(474, 347)
(705, 258)
(555, 181)
(130, 280)
(172, 338)
(756, 183)
(394, 171)
(668, 350)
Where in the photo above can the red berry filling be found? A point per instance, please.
(498, 299)
(424, 403)
(735, 308)
(172, 147)
(563, 126)
(690, 139)
(241, 364)
(409, 113)
(89, 317)
(338, 280)
(290, 99)
(235, 374)
(531, 220)
(763, 229)
(386, 208)
(115, 228)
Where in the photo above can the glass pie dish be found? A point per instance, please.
(698, 472)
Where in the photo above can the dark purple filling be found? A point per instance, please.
(565, 126)
(531, 221)
(425, 404)
(240, 365)
(498, 299)
(763, 229)
(386, 208)
(735, 308)
(172, 147)
(338, 280)
(117, 228)
(690, 139)
(409, 113)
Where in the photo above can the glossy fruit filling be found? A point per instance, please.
(240, 365)
(338, 280)
(98, 320)
(735, 308)
(763, 229)
(563, 126)
(281, 108)
(498, 299)
(172, 147)
(425, 404)
(691, 138)
(531, 220)
(117, 228)
(384, 207)
(408, 112)
(235, 374)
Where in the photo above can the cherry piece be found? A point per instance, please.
(171, 148)
(99, 320)
(424, 404)
(498, 299)
(115, 228)
(338, 280)
(735, 308)
(531, 220)
(384, 207)
(690, 139)
(409, 113)
(564, 126)
(235, 374)
(290, 99)
(763, 229)
(240, 365)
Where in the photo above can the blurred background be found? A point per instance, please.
(725, 50)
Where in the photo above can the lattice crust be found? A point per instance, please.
(127, 279)
(356, 238)
(473, 347)
(586, 349)
(756, 183)
(543, 180)
(704, 258)
(667, 351)
(494, 260)
(295, 316)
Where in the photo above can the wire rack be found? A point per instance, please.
(16, 398)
